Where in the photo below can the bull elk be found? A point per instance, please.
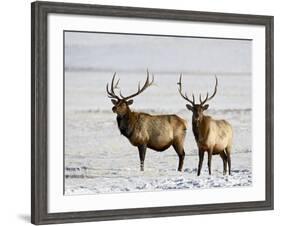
(212, 136)
(157, 132)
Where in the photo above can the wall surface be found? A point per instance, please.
(15, 110)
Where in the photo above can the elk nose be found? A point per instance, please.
(114, 109)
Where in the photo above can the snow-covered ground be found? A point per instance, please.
(99, 160)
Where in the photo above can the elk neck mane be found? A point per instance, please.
(127, 122)
(195, 130)
(198, 127)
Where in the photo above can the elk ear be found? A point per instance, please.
(189, 107)
(114, 101)
(129, 102)
(205, 107)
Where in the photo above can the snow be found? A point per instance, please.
(98, 159)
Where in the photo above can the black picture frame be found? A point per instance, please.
(39, 109)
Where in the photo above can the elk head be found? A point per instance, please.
(197, 109)
(121, 103)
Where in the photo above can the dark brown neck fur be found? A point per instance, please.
(195, 129)
(126, 123)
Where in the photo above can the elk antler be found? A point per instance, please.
(111, 93)
(140, 90)
(184, 96)
(207, 96)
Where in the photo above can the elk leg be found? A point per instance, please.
(228, 150)
(201, 157)
(224, 159)
(180, 151)
(210, 154)
(142, 151)
(181, 160)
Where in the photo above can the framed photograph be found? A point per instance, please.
(140, 112)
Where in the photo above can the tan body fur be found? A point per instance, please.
(157, 132)
(216, 134)
(214, 137)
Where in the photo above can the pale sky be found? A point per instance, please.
(115, 52)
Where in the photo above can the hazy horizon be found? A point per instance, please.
(165, 54)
